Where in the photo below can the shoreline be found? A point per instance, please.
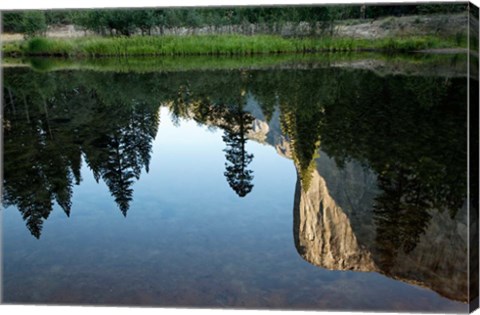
(383, 64)
(219, 45)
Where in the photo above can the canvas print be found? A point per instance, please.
(301, 157)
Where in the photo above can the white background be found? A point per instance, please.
(50, 4)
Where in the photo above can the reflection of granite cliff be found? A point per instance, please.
(335, 230)
(334, 227)
(323, 233)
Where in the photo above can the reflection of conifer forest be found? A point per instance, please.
(411, 131)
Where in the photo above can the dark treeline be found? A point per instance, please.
(412, 132)
(126, 22)
(52, 124)
(409, 130)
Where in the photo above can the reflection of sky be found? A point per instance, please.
(188, 239)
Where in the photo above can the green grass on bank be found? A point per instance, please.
(188, 63)
(214, 45)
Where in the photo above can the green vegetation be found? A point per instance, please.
(125, 22)
(236, 123)
(408, 130)
(214, 45)
(34, 23)
(12, 48)
(239, 31)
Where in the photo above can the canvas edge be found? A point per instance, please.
(1, 165)
(473, 138)
(473, 152)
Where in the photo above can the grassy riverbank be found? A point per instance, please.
(215, 45)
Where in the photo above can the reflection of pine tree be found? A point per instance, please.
(120, 154)
(180, 105)
(119, 172)
(31, 197)
(237, 125)
(36, 165)
(49, 131)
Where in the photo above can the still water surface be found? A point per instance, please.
(291, 187)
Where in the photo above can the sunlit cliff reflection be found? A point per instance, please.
(349, 235)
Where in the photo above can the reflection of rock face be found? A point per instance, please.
(323, 232)
(259, 131)
(439, 261)
(335, 229)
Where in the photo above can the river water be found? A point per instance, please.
(295, 186)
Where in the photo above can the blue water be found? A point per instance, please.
(188, 240)
(187, 237)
